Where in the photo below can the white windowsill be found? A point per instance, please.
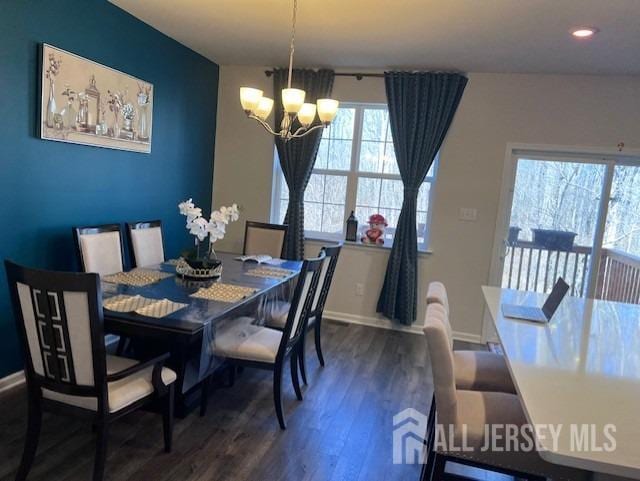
(360, 245)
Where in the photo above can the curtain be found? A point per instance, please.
(298, 156)
(421, 108)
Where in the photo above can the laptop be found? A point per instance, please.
(537, 314)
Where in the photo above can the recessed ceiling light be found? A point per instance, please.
(584, 32)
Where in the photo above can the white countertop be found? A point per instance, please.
(583, 367)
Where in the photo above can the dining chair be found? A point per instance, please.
(59, 319)
(146, 245)
(463, 416)
(99, 248)
(263, 238)
(241, 343)
(278, 312)
(474, 370)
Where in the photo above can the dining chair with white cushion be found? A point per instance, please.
(59, 319)
(474, 370)
(463, 416)
(242, 343)
(100, 248)
(278, 312)
(264, 238)
(146, 246)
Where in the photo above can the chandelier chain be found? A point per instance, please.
(292, 44)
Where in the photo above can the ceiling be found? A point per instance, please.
(528, 36)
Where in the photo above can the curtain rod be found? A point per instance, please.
(358, 76)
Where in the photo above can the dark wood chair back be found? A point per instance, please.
(263, 238)
(301, 302)
(99, 248)
(60, 324)
(146, 243)
(326, 277)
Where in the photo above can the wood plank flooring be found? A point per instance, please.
(342, 431)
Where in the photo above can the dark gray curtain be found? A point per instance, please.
(421, 108)
(298, 156)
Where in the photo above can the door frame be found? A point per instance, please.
(584, 154)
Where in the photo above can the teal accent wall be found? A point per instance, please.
(47, 187)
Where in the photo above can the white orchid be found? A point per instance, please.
(215, 228)
(188, 209)
(198, 228)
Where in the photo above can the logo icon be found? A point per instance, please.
(409, 431)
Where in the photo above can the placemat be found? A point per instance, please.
(124, 303)
(160, 308)
(271, 272)
(137, 277)
(224, 292)
(142, 305)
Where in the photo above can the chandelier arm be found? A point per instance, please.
(264, 124)
(307, 131)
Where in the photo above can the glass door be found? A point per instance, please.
(618, 276)
(553, 225)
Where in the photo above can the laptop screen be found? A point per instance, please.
(558, 292)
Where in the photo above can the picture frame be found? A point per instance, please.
(84, 102)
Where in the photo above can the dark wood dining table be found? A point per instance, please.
(189, 332)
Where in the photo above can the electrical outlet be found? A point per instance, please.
(359, 289)
(468, 214)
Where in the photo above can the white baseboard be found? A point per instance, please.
(384, 323)
(11, 381)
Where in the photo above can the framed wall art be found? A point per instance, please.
(84, 102)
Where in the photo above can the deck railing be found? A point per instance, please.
(531, 267)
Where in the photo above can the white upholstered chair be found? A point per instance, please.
(60, 324)
(99, 249)
(466, 414)
(277, 312)
(146, 247)
(242, 343)
(474, 370)
(263, 238)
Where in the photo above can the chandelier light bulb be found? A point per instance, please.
(292, 100)
(264, 108)
(307, 114)
(250, 98)
(327, 110)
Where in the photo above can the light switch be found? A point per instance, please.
(468, 214)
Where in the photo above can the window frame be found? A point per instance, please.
(352, 176)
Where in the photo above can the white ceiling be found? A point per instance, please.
(529, 36)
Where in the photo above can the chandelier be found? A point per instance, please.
(258, 107)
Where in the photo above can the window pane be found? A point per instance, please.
(335, 190)
(371, 157)
(368, 192)
(339, 155)
(391, 194)
(332, 218)
(421, 220)
(323, 154)
(312, 216)
(342, 125)
(315, 189)
(423, 197)
(389, 158)
(374, 124)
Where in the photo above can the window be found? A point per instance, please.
(355, 170)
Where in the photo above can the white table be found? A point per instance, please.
(581, 368)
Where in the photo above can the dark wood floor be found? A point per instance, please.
(341, 431)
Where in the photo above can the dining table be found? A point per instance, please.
(188, 334)
(580, 374)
